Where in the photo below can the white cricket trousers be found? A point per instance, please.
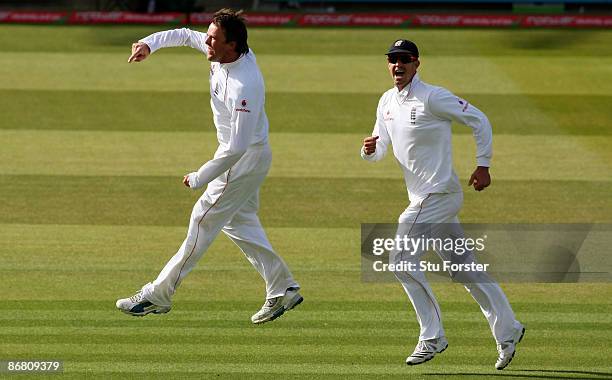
(436, 216)
(230, 203)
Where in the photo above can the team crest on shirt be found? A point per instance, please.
(413, 115)
(244, 102)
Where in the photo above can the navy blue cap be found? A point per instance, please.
(405, 47)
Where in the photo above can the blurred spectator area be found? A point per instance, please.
(150, 6)
(468, 6)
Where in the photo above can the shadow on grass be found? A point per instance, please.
(546, 40)
(607, 374)
(539, 374)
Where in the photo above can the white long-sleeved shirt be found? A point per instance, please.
(237, 95)
(417, 122)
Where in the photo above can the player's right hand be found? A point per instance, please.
(186, 180)
(140, 51)
(369, 144)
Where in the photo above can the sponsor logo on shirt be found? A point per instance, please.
(464, 103)
(243, 109)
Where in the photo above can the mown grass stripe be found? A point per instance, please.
(148, 337)
(481, 373)
(273, 358)
(356, 41)
(285, 368)
(335, 112)
(247, 288)
(306, 318)
(91, 153)
(288, 202)
(299, 324)
(482, 74)
(345, 349)
(287, 328)
(348, 307)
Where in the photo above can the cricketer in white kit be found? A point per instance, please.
(415, 118)
(232, 178)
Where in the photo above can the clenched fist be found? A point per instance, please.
(369, 144)
(480, 178)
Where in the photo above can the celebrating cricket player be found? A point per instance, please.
(415, 117)
(232, 178)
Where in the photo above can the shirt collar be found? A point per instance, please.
(407, 90)
(230, 64)
(413, 82)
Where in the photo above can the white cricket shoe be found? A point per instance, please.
(275, 307)
(139, 306)
(425, 350)
(507, 349)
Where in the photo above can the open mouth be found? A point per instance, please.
(399, 73)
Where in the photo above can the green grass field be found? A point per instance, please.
(92, 155)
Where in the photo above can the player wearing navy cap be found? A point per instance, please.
(415, 117)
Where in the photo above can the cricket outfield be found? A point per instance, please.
(93, 152)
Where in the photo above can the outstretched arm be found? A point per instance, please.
(169, 38)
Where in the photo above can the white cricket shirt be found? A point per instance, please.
(237, 98)
(417, 122)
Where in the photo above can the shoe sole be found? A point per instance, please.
(144, 312)
(512, 356)
(281, 311)
(426, 360)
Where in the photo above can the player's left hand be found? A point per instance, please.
(186, 180)
(480, 178)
